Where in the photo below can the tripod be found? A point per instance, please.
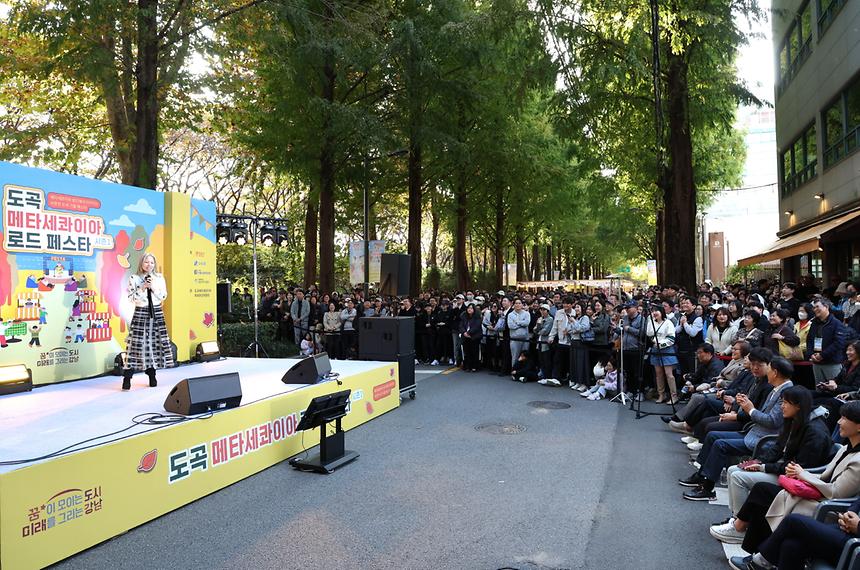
(640, 394)
(255, 347)
(622, 395)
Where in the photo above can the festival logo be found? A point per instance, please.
(384, 390)
(148, 461)
(64, 507)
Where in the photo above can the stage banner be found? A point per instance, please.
(356, 261)
(191, 284)
(53, 509)
(67, 247)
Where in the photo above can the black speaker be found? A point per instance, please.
(225, 298)
(383, 338)
(204, 393)
(394, 274)
(308, 370)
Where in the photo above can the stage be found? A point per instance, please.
(128, 473)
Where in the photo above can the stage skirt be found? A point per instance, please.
(148, 345)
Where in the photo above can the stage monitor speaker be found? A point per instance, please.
(394, 274)
(225, 298)
(205, 393)
(308, 370)
(384, 338)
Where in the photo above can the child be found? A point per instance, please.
(609, 383)
(307, 345)
(319, 338)
(34, 335)
(524, 369)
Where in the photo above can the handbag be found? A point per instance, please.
(800, 489)
(790, 352)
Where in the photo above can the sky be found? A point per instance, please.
(755, 60)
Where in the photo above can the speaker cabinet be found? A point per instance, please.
(383, 338)
(225, 298)
(394, 274)
(204, 393)
(308, 370)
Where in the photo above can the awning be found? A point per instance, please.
(799, 243)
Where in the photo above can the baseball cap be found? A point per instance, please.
(545, 306)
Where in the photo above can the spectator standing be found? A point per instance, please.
(661, 334)
(300, 312)
(470, 328)
(825, 343)
(721, 333)
(543, 327)
(580, 371)
(348, 332)
(559, 339)
(788, 301)
(518, 325)
(780, 339)
(331, 327)
(489, 339)
(688, 336)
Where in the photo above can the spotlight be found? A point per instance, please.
(269, 234)
(239, 232)
(222, 230)
(788, 212)
(15, 378)
(207, 351)
(283, 235)
(819, 196)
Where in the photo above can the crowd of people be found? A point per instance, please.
(763, 381)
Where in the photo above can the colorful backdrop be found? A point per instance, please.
(67, 247)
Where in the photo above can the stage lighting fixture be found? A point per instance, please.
(15, 378)
(283, 234)
(268, 234)
(207, 351)
(239, 232)
(223, 232)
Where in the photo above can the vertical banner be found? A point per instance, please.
(67, 248)
(191, 279)
(652, 271)
(356, 261)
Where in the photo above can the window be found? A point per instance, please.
(816, 265)
(799, 161)
(842, 125)
(795, 47)
(827, 10)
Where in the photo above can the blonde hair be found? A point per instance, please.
(140, 270)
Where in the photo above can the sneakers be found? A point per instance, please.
(695, 446)
(584, 394)
(552, 382)
(680, 427)
(689, 439)
(434, 363)
(544, 381)
(727, 533)
(666, 419)
(694, 480)
(594, 397)
(700, 494)
(522, 379)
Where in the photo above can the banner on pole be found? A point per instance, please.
(356, 261)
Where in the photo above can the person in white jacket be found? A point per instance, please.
(559, 339)
(661, 337)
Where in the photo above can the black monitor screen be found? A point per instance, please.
(324, 409)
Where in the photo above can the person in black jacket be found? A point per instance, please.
(804, 439)
(447, 320)
(708, 368)
(470, 335)
(524, 369)
(828, 394)
(426, 332)
(826, 342)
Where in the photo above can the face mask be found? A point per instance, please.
(802, 315)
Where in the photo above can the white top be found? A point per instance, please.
(137, 294)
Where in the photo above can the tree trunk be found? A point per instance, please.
(415, 208)
(461, 268)
(549, 261)
(145, 155)
(434, 231)
(520, 246)
(311, 230)
(536, 276)
(327, 176)
(680, 202)
(499, 239)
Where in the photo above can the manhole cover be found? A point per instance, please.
(549, 405)
(500, 428)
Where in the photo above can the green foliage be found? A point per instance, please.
(738, 274)
(234, 338)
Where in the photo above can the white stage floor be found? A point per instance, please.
(52, 417)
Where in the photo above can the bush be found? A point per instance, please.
(235, 337)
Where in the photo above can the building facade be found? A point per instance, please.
(817, 106)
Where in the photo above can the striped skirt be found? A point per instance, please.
(148, 345)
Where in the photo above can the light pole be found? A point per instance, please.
(366, 204)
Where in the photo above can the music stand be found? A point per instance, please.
(321, 411)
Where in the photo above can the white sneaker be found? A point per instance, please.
(544, 381)
(434, 363)
(594, 397)
(727, 533)
(577, 386)
(584, 394)
(553, 382)
(584, 388)
(689, 439)
(696, 446)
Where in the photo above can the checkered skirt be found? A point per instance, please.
(147, 344)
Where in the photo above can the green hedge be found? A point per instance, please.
(235, 337)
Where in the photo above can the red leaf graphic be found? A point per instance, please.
(208, 319)
(138, 244)
(148, 461)
(192, 335)
(369, 407)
